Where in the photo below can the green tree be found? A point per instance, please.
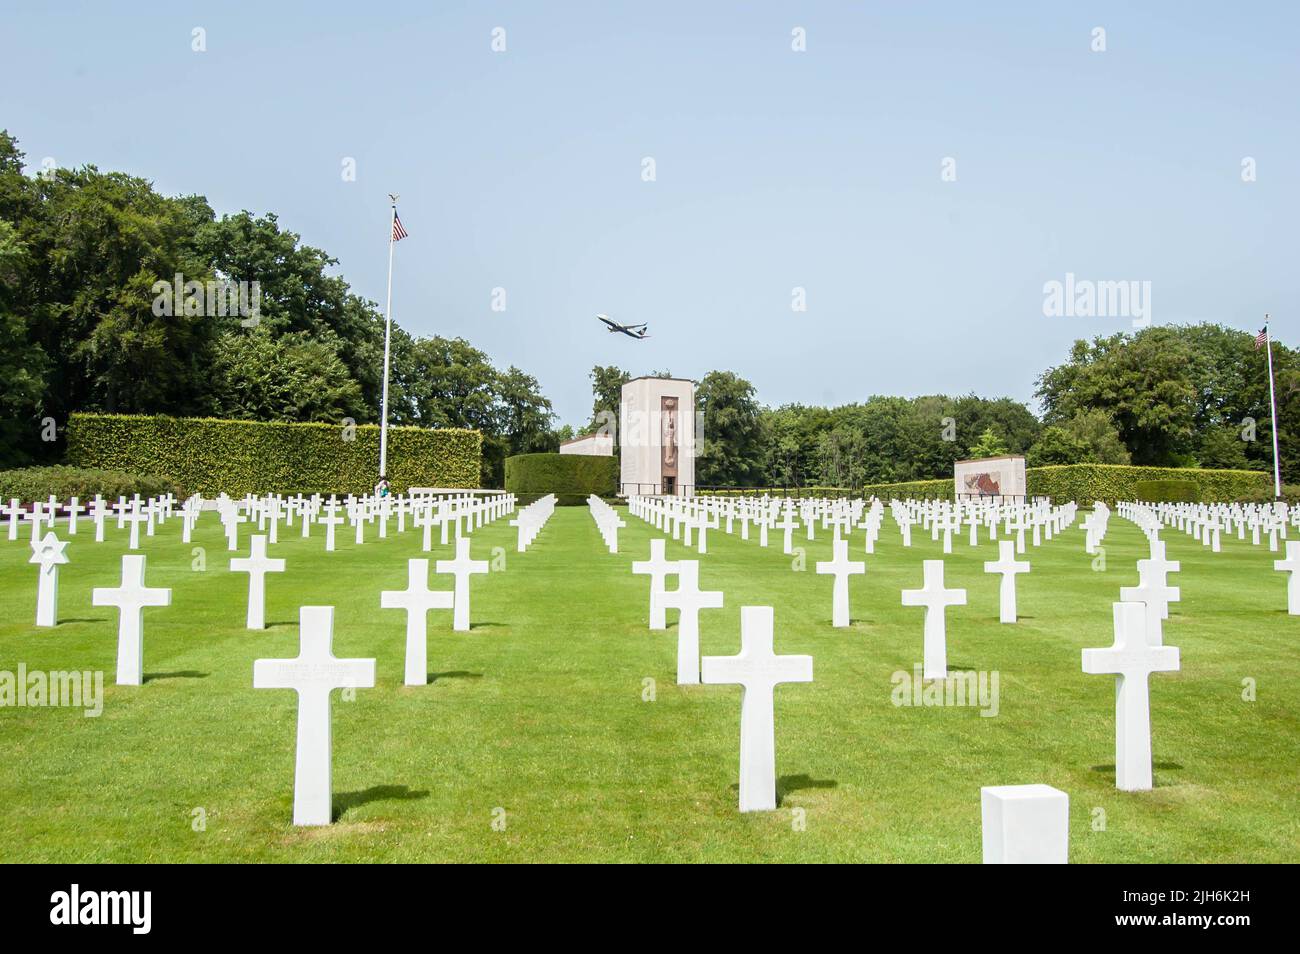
(22, 364)
(289, 377)
(298, 295)
(607, 394)
(1222, 447)
(729, 446)
(526, 417)
(1056, 445)
(1167, 387)
(1088, 437)
(988, 445)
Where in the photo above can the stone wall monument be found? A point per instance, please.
(656, 437)
(990, 477)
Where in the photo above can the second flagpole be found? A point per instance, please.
(1272, 412)
(388, 332)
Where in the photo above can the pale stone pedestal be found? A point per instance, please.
(1025, 825)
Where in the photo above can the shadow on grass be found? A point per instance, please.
(282, 622)
(178, 674)
(375, 793)
(454, 674)
(788, 784)
(1155, 767)
(84, 619)
(477, 626)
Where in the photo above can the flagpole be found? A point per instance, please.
(388, 335)
(1272, 410)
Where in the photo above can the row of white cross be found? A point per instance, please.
(1135, 654)
(1207, 522)
(530, 520)
(608, 522)
(452, 512)
(315, 672)
(454, 515)
(132, 596)
(665, 514)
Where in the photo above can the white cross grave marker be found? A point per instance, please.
(461, 567)
(417, 599)
(130, 598)
(314, 673)
(1154, 594)
(935, 599)
(658, 568)
(759, 670)
(787, 524)
(1131, 660)
(14, 513)
(331, 520)
(841, 567)
(257, 564)
(1291, 565)
(689, 599)
(1008, 566)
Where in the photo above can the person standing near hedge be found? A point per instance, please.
(383, 488)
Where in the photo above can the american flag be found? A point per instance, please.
(1261, 339)
(399, 233)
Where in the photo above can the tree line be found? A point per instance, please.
(1168, 396)
(84, 326)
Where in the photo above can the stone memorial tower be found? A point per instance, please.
(656, 437)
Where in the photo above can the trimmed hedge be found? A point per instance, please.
(1290, 494)
(1111, 482)
(211, 456)
(941, 489)
(1084, 483)
(31, 484)
(915, 489)
(1167, 491)
(571, 477)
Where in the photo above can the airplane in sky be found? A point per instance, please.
(632, 331)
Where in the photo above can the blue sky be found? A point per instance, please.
(775, 169)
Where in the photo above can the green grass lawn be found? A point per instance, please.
(540, 710)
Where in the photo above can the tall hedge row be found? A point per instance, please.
(571, 477)
(905, 490)
(1111, 482)
(1167, 491)
(28, 485)
(911, 490)
(1082, 482)
(212, 456)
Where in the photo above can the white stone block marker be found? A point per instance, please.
(1131, 659)
(841, 567)
(1025, 824)
(130, 598)
(1154, 594)
(759, 670)
(688, 599)
(1291, 565)
(935, 599)
(50, 552)
(257, 564)
(461, 568)
(658, 568)
(314, 674)
(1008, 566)
(417, 599)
